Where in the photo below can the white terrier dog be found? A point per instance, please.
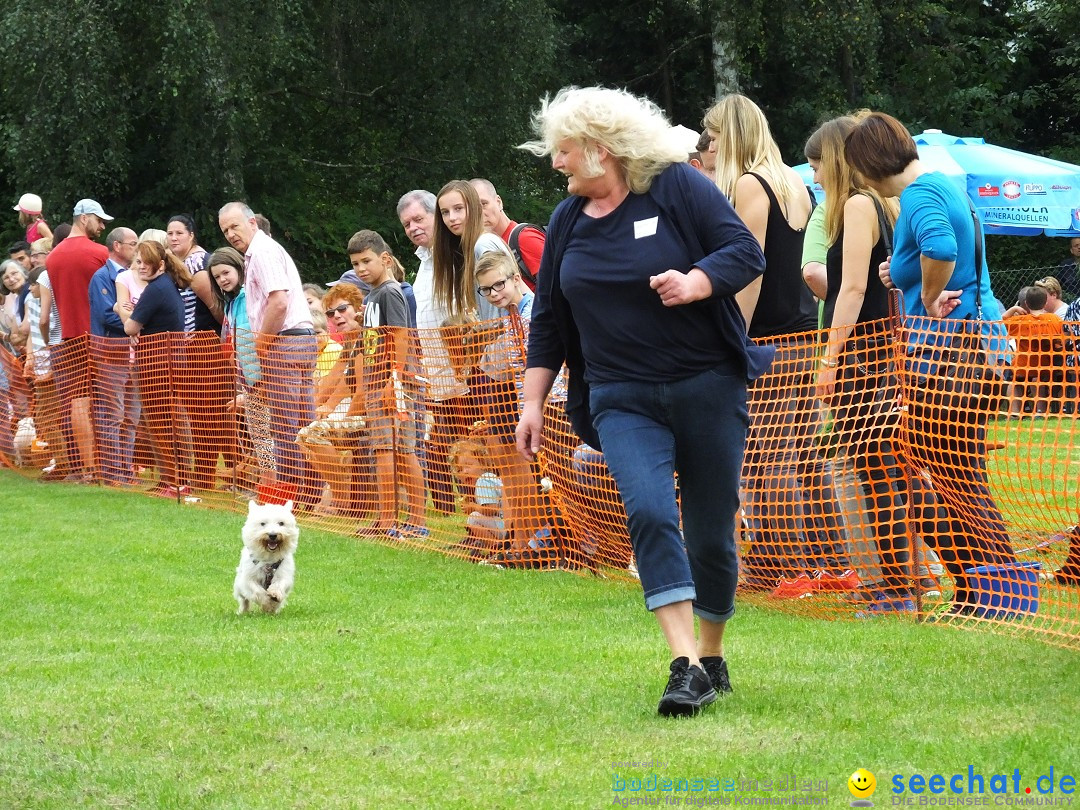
(266, 570)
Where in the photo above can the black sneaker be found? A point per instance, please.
(688, 689)
(716, 668)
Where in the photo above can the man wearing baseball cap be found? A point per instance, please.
(70, 266)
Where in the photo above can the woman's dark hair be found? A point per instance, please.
(61, 233)
(231, 257)
(880, 147)
(184, 219)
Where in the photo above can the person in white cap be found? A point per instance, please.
(71, 265)
(30, 217)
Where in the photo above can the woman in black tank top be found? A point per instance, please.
(785, 304)
(855, 377)
(789, 504)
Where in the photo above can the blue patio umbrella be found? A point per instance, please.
(1015, 193)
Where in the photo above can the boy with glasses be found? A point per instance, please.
(502, 368)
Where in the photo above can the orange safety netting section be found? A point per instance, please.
(936, 478)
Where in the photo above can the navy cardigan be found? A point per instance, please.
(708, 226)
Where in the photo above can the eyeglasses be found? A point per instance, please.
(494, 288)
(338, 308)
(131, 244)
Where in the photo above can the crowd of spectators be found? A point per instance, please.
(222, 369)
(387, 403)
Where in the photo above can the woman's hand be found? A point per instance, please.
(826, 383)
(944, 304)
(530, 430)
(884, 273)
(676, 288)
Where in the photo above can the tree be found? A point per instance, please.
(656, 48)
(322, 113)
(319, 114)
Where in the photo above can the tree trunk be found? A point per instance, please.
(725, 69)
(725, 60)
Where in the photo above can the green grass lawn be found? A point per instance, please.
(402, 678)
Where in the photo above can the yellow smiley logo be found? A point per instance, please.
(862, 784)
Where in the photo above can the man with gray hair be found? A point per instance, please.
(116, 398)
(416, 211)
(285, 344)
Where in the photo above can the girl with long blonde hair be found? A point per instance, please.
(853, 378)
(771, 199)
(854, 218)
(791, 508)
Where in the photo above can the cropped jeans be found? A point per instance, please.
(695, 427)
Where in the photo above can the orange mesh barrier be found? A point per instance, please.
(932, 483)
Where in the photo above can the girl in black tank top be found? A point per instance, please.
(786, 304)
(791, 516)
(876, 298)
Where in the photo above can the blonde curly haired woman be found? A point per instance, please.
(636, 294)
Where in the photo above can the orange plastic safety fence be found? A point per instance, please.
(895, 484)
(898, 483)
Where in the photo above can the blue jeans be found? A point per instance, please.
(960, 520)
(288, 387)
(697, 428)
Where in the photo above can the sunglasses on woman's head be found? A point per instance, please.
(338, 308)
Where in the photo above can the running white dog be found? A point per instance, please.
(267, 568)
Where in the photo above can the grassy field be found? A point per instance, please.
(395, 677)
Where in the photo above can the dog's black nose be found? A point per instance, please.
(272, 537)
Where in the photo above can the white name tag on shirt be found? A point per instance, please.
(645, 227)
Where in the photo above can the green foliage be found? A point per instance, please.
(64, 122)
(656, 48)
(319, 114)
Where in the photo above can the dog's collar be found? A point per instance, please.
(271, 566)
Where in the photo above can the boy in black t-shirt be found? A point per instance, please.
(390, 416)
